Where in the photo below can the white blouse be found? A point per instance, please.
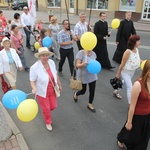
(133, 61)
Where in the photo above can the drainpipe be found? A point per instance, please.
(76, 7)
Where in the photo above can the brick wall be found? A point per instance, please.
(121, 15)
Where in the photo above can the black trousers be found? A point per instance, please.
(92, 86)
(70, 56)
(79, 45)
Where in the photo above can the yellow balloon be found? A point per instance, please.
(143, 64)
(27, 110)
(115, 23)
(88, 40)
(37, 45)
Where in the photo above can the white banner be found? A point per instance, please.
(32, 10)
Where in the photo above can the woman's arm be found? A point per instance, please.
(136, 89)
(124, 60)
(79, 63)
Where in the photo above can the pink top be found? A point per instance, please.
(3, 21)
(17, 40)
(39, 26)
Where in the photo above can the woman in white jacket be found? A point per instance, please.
(9, 62)
(43, 78)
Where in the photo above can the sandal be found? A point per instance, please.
(75, 97)
(120, 145)
(117, 95)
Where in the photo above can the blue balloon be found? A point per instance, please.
(13, 98)
(47, 42)
(94, 67)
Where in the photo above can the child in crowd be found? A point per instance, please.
(39, 25)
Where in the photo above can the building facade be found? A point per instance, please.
(113, 8)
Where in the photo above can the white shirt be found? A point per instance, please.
(4, 61)
(133, 61)
(80, 28)
(39, 75)
(25, 19)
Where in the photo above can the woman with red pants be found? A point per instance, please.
(43, 78)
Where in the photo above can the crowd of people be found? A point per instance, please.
(43, 74)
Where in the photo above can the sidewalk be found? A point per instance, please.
(16, 141)
(43, 15)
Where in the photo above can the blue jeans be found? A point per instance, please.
(27, 36)
(22, 57)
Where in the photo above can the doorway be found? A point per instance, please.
(146, 10)
(71, 6)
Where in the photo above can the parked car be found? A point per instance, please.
(19, 4)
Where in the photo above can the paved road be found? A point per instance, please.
(74, 126)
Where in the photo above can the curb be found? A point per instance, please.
(143, 30)
(21, 142)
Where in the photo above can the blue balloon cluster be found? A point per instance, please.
(94, 67)
(47, 42)
(13, 98)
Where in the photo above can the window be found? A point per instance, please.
(128, 5)
(146, 10)
(53, 3)
(97, 4)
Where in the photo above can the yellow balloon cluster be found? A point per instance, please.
(37, 45)
(142, 64)
(115, 23)
(27, 110)
(88, 40)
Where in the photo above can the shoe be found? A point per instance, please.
(27, 69)
(28, 47)
(60, 73)
(93, 110)
(110, 67)
(75, 97)
(58, 59)
(117, 95)
(49, 127)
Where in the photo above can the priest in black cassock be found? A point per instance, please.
(125, 30)
(101, 32)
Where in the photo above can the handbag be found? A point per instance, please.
(4, 84)
(116, 83)
(76, 84)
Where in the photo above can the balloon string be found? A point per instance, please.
(35, 96)
(29, 93)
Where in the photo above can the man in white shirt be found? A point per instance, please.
(80, 28)
(26, 23)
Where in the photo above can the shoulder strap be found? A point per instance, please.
(17, 39)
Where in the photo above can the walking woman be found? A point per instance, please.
(82, 59)
(43, 78)
(136, 132)
(17, 44)
(53, 29)
(130, 62)
(9, 62)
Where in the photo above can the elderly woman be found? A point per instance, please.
(82, 59)
(9, 62)
(53, 29)
(43, 78)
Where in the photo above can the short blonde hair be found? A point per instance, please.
(53, 19)
(81, 14)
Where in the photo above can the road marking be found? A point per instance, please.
(141, 46)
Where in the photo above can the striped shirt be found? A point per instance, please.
(80, 28)
(64, 36)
